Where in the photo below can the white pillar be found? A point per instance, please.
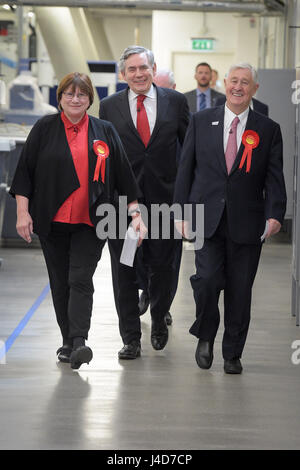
(63, 44)
(99, 36)
(84, 34)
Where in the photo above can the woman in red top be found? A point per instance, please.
(58, 189)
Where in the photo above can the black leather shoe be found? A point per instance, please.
(233, 366)
(81, 355)
(144, 302)
(169, 319)
(204, 354)
(64, 353)
(130, 351)
(159, 335)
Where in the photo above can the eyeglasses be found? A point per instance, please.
(70, 96)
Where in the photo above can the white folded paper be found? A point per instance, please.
(265, 232)
(129, 246)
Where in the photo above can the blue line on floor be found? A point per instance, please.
(9, 342)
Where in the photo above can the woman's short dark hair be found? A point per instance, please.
(75, 79)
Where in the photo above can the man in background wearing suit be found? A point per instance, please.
(233, 166)
(150, 120)
(203, 97)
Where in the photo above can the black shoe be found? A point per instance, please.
(233, 366)
(204, 354)
(168, 318)
(81, 355)
(159, 334)
(131, 350)
(64, 353)
(144, 302)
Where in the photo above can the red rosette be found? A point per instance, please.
(101, 149)
(250, 140)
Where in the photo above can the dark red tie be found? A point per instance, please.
(142, 123)
(231, 149)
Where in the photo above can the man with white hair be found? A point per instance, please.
(164, 78)
(234, 167)
(255, 104)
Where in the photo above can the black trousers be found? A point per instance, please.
(159, 258)
(142, 269)
(71, 253)
(222, 264)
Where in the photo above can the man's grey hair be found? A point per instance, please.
(168, 73)
(243, 65)
(130, 50)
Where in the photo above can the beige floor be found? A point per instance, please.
(160, 401)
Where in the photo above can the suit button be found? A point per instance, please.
(223, 200)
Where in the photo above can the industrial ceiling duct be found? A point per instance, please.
(263, 7)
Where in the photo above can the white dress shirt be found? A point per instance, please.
(150, 104)
(228, 118)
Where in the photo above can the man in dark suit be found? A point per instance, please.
(203, 97)
(163, 78)
(255, 104)
(150, 120)
(231, 162)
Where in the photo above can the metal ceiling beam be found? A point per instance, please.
(265, 7)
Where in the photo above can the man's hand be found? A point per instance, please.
(139, 226)
(274, 227)
(182, 227)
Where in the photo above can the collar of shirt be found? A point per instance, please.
(207, 93)
(228, 118)
(150, 104)
(151, 93)
(70, 125)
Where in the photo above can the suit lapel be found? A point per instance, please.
(96, 188)
(123, 107)
(162, 103)
(92, 155)
(217, 134)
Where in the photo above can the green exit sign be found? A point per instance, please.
(202, 44)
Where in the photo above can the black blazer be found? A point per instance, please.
(249, 198)
(191, 97)
(258, 106)
(154, 166)
(46, 173)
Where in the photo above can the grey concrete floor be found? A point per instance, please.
(161, 400)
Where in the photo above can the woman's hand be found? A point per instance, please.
(25, 226)
(24, 221)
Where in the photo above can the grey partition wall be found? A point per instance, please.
(275, 89)
(296, 212)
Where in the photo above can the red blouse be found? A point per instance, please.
(75, 209)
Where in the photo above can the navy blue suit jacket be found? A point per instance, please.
(249, 198)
